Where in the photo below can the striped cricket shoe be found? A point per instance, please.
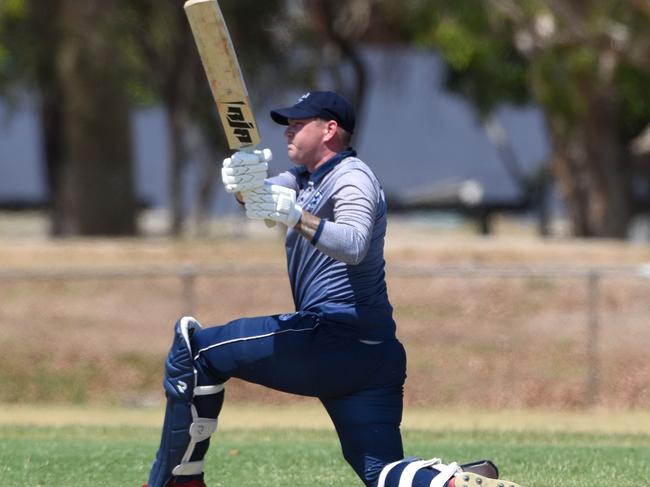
(470, 479)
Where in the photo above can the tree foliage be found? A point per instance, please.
(586, 63)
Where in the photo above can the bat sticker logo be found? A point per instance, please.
(239, 125)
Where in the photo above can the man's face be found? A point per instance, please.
(305, 140)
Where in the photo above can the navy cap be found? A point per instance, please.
(318, 104)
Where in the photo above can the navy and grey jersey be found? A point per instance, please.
(339, 274)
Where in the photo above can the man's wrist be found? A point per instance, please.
(295, 216)
(319, 230)
(308, 225)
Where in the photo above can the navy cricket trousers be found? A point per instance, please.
(360, 385)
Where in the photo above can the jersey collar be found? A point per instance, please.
(318, 174)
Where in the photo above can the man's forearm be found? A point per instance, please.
(308, 225)
(339, 241)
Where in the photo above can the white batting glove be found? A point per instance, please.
(244, 171)
(273, 202)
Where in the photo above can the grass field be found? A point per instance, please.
(535, 449)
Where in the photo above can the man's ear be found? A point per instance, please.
(329, 131)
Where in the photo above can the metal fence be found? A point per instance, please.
(518, 336)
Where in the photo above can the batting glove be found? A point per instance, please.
(273, 202)
(244, 171)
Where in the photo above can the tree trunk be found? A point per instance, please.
(179, 70)
(50, 101)
(97, 188)
(606, 153)
(591, 167)
(175, 128)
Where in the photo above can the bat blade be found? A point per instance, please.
(223, 72)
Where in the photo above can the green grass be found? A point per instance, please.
(120, 456)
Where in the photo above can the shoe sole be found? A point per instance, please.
(468, 479)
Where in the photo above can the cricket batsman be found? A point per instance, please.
(339, 343)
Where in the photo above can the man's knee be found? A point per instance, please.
(179, 377)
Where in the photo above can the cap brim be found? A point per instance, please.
(283, 115)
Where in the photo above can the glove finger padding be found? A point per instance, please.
(241, 158)
(239, 185)
(235, 180)
(256, 197)
(260, 168)
(273, 202)
(244, 171)
(262, 206)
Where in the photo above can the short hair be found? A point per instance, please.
(344, 135)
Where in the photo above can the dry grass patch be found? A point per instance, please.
(514, 342)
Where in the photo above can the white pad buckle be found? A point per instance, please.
(201, 429)
(188, 468)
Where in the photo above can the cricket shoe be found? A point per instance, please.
(486, 468)
(470, 479)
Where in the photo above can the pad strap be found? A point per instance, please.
(385, 471)
(188, 468)
(408, 474)
(201, 429)
(208, 390)
(445, 472)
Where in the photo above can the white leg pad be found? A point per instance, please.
(201, 429)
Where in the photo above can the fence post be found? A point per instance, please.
(188, 278)
(593, 338)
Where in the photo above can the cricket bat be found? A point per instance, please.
(224, 74)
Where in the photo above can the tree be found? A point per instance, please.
(97, 189)
(30, 36)
(67, 53)
(586, 63)
(167, 69)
